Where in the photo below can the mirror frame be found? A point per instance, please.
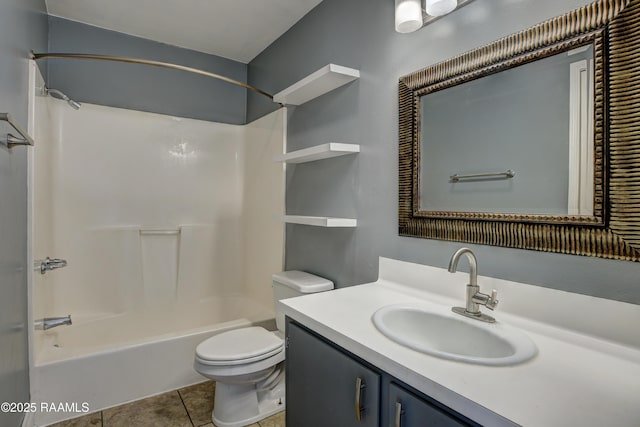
(613, 231)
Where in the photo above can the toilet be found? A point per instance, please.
(247, 363)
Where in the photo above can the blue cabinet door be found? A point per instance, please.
(325, 387)
(404, 409)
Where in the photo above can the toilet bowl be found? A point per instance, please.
(247, 363)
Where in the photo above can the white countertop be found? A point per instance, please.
(586, 373)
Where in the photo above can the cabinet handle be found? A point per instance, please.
(359, 387)
(399, 412)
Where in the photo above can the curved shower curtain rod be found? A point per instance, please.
(130, 60)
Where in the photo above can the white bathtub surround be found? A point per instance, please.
(116, 176)
(167, 227)
(585, 373)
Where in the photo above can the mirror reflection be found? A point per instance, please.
(518, 142)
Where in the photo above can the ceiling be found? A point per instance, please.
(234, 29)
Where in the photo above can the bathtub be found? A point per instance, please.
(106, 360)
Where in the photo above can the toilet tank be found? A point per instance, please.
(294, 283)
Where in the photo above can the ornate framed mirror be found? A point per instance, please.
(532, 141)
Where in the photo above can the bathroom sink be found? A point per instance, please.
(442, 333)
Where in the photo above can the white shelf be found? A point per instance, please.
(320, 221)
(318, 152)
(324, 80)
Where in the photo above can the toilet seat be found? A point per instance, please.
(239, 347)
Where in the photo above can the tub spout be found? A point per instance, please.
(52, 322)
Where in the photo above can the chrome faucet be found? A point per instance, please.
(52, 322)
(474, 297)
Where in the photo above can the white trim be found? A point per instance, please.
(285, 133)
(31, 127)
(581, 156)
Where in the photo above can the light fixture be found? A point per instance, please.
(440, 7)
(411, 16)
(408, 15)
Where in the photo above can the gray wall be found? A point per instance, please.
(23, 26)
(360, 34)
(140, 87)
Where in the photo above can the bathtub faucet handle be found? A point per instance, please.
(44, 265)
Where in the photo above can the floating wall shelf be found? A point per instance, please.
(320, 221)
(324, 80)
(324, 151)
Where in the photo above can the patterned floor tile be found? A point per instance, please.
(164, 410)
(199, 402)
(276, 420)
(213, 425)
(90, 420)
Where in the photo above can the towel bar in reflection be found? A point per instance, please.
(488, 175)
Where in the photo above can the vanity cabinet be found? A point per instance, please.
(327, 386)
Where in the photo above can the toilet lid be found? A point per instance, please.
(239, 345)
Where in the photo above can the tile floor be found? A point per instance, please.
(186, 407)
